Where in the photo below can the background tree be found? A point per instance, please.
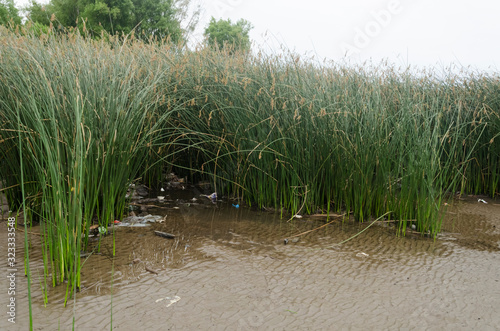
(150, 18)
(155, 18)
(112, 16)
(188, 14)
(9, 13)
(39, 13)
(223, 33)
(66, 11)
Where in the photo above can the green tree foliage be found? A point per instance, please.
(9, 13)
(108, 15)
(223, 33)
(157, 19)
(39, 13)
(66, 11)
(150, 18)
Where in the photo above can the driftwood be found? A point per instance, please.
(151, 270)
(165, 235)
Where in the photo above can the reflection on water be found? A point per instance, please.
(228, 268)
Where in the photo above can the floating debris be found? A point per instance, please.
(481, 200)
(171, 301)
(151, 270)
(294, 240)
(236, 206)
(164, 234)
(137, 192)
(140, 221)
(362, 255)
(212, 197)
(297, 216)
(135, 225)
(103, 230)
(96, 229)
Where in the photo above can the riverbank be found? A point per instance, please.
(228, 268)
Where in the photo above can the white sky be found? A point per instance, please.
(416, 32)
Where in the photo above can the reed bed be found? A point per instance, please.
(85, 114)
(293, 134)
(88, 118)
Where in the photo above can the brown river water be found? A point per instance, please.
(229, 269)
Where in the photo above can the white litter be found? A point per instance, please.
(481, 200)
(212, 197)
(171, 300)
(140, 221)
(362, 255)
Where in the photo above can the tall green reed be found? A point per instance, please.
(86, 120)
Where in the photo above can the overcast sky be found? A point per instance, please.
(415, 32)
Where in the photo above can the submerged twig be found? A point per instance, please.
(300, 234)
(164, 234)
(357, 234)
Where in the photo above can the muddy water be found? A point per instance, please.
(229, 269)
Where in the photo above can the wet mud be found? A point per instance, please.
(228, 268)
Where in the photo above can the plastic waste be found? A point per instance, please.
(212, 197)
(171, 300)
(135, 225)
(140, 221)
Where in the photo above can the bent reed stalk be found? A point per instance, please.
(275, 131)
